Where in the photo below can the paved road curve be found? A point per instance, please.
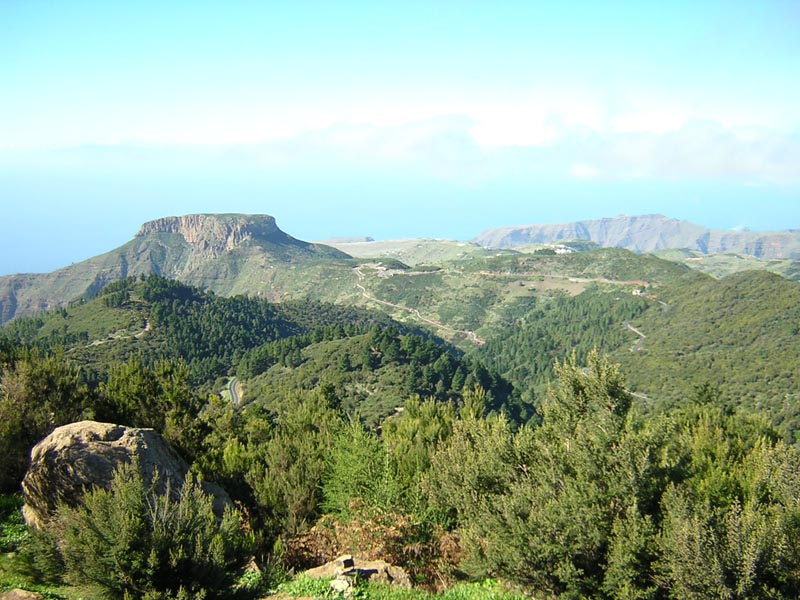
(232, 385)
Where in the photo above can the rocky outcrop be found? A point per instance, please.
(213, 235)
(346, 569)
(648, 233)
(77, 457)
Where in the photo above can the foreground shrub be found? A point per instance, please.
(137, 543)
(596, 503)
(424, 551)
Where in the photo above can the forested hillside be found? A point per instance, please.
(550, 327)
(150, 351)
(157, 318)
(734, 338)
(373, 374)
(526, 454)
(738, 336)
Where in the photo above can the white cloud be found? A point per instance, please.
(503, 129)
(583, 171)
(469, 149)
(701, 149)
(649, 121)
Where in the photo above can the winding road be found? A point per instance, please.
(638, 345)
(471, 335)
(233, 384)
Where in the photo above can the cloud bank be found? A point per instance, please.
(451, 147)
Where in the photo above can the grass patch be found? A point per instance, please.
(307, 587)
(12, 576)
(12, 528)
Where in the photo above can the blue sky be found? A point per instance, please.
(390, 119)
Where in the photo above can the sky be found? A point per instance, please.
(390, 119)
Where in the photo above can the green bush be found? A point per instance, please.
(358, 470)
(596, 503)
(40, 558)
(37, 394)
(137, 543)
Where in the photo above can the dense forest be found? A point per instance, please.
(527, 461)
(550, 329)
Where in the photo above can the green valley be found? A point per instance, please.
(566, 421)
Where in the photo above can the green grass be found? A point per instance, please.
(304, 586)
(14, 575)
(13, 532)
(12, 529)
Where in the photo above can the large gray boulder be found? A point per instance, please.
(79, 456)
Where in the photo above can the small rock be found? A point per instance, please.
(341, 585)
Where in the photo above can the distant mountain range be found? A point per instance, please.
(648, 233)
(248, 254)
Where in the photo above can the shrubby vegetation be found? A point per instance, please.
(604, 263)
(136, 543)
(352, 424)
(38, 392)
(596, 502)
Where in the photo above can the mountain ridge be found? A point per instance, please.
(249, 254)
(649, 233)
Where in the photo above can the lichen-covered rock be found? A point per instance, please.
(79, 456)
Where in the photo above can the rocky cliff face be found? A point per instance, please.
(647, 233)
(212, 235)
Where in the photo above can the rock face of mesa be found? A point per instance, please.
(226, 253)
(648, 233)
(212, 235)
(79, 456)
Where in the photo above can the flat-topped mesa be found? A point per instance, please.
(226, 253)
(215, 234)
